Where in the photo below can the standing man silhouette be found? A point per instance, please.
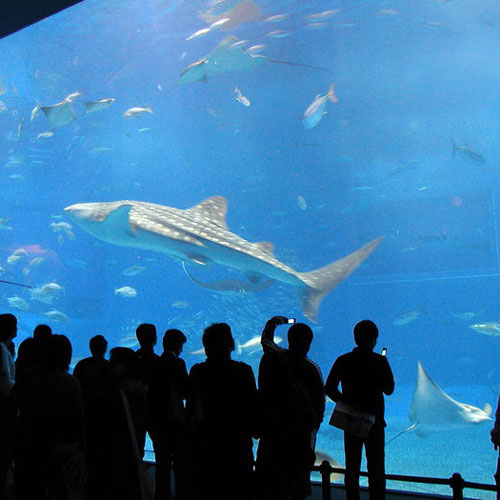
(365, 377)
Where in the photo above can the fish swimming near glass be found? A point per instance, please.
(432, 410)
(200, 235)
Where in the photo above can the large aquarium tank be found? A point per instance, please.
(188, 162)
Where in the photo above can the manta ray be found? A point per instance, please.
(59, 114)
(228, 56)
(432, 410)
(229, 286)
(200, 234)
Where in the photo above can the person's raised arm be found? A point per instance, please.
(267, 337)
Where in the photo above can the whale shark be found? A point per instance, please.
(200, 235)
(432, 410)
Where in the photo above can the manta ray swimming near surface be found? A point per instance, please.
(200, 235)
(228, 56)
(432, 410)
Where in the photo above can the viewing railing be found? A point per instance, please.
(455, 482)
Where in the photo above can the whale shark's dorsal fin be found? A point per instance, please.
(265, 246)
(212, 209)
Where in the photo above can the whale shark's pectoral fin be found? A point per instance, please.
(211, 210)
(119, 218)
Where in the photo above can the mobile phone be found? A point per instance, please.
(384, 351)
(290, 321)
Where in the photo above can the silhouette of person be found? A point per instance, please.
(47, 415)
(8, 331)
(167, 425)
(29, 350)
(365, 377)
(146, 365)
(93, 374)
(495, 439)
(222, 401)
(292, 405)
(124, 420)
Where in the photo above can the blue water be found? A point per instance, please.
(409, 78)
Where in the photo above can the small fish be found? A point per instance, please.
(137, 111)
(71, 97)
(220, 22)
(321, 16)
(13, 259)
(17, 177)
(18, 303)
(126, 291)
(240, 43)
(144, 129)
(56, 315)
(133, 270)
(468, 315)
(20, 128)
(180, 304)
(21, 252)
(388, 12)
(316, 109)
(276, 19)
(4, 226)
(301, 202)
(467, 153)
(94, 106)
(3, 107)
(487, 328)
(241, 98)
(45, 135)
(407, 317)
(46, 293)
(316, 26)
(199, 33)
(279, 33)
(36, 261)
(255, 49)
(63, 227)
(253, 345)
(35, 111)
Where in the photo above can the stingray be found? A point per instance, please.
(229, 56)
(432, 410)
(230, 286)
(59, 114)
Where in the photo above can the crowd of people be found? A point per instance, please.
(82, 436)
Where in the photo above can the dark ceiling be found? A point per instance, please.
(16, 14)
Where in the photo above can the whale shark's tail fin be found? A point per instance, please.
(321, 281)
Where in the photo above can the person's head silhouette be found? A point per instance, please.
(8, 327)
(218, 341)
(146, 335)
(299, 339)
(365, 334)
(42, 332)
(174, 340)
(56, 353)
(98, 346)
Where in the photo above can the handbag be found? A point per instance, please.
(352, 421)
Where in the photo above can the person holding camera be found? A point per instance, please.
(365, 377)
(292, 404)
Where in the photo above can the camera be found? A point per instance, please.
(291, 321)
(384, 351)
